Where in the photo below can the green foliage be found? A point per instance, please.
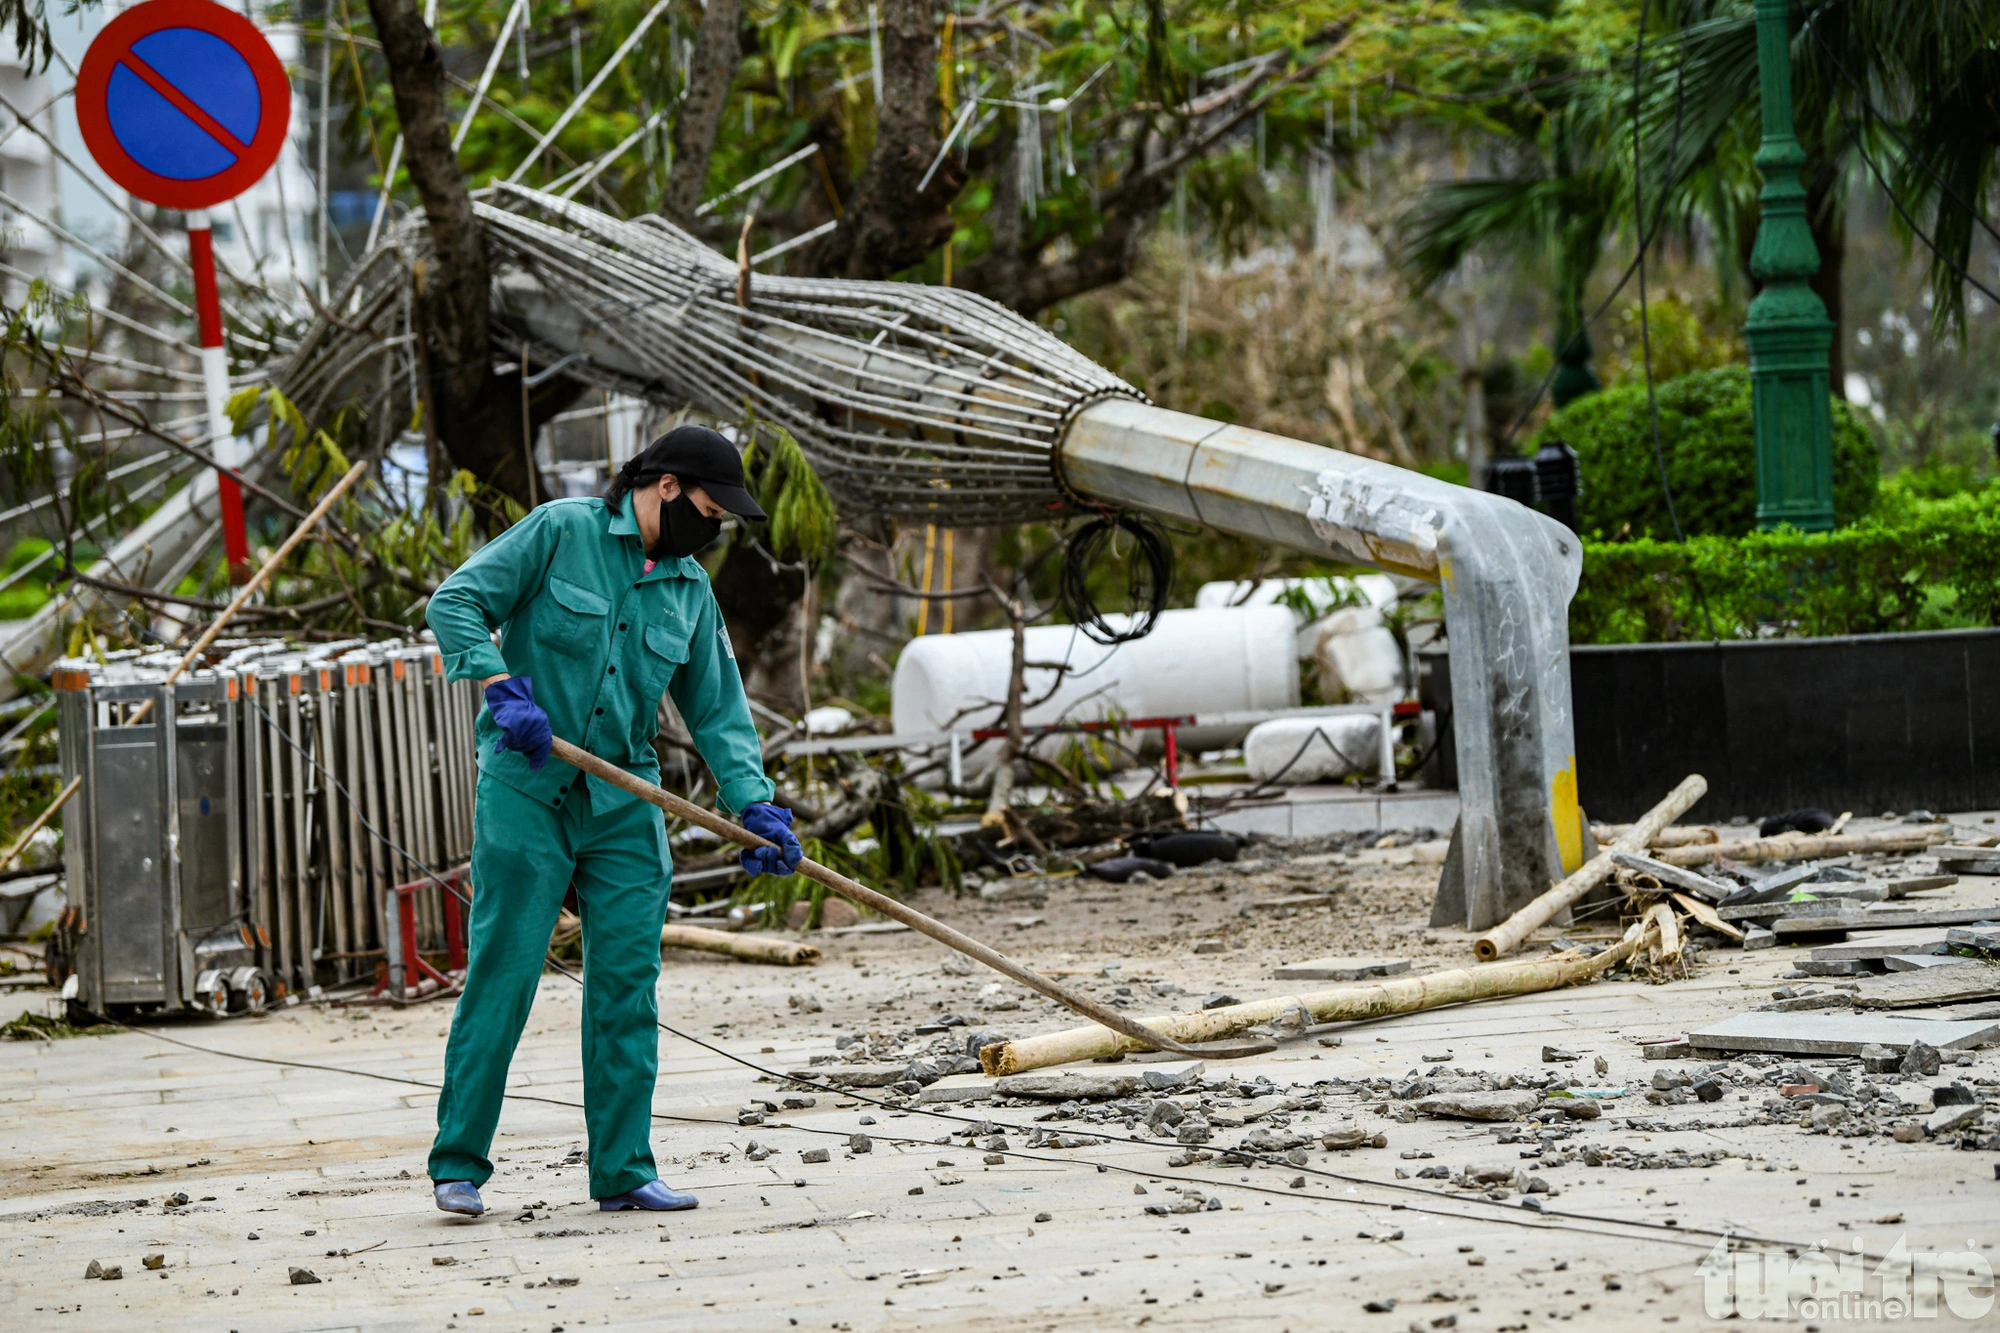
(1707, 438)
(803, 517)
(1917, 564)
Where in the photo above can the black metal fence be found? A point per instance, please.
(1870, 723)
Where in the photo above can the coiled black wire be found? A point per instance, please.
(1149, 574)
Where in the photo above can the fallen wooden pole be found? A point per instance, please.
(1793, 848)
(257, 580)
(750, 948)
(1342, 1004)
(1676, 835)
(863, 896)
(21, 842)
(1507, 936)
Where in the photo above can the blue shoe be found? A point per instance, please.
(651, 1196)
(458, 1196)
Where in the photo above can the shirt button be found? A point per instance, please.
(621, 626)
(600, 712)
(611, 671)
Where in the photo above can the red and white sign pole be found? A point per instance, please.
(226, 449)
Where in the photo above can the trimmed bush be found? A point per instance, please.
(1919, 565)
(1708, 440)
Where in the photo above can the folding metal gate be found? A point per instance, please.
(259, 831)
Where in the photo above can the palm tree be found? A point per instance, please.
(1903, 87)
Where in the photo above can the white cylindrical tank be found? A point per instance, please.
(1194, 661)
(1290, 751)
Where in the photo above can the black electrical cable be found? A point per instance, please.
(1876, 115)
(1539, 1220)
(1645, 320)
(1646, 237)
(1895, 201)
(1149, 576)
(1102, 1136)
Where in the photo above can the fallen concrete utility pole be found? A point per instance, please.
(1342, 1004)
(863, 896)
(1789, 848)
(257, 580)
(750, 948)
(1507, 936)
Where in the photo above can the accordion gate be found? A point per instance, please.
(212, 863)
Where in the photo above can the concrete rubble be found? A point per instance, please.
(865, 1174)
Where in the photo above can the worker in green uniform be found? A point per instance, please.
(601, 607)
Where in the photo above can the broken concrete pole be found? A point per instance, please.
(1398, 995)
(1507, 936)
(750, 948)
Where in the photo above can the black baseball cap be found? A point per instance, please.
(698, 456)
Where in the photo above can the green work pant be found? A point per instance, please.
(525, 855)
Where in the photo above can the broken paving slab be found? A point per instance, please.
(1869, 918)
(1098, 1085)
(1914, 962)
(1840, 1034)
(1478, 1105)
(1341, 969)
(1968, 860)
(852, 1076)
(1983, 937)
(1878, 949)
(958, 1090)
(1963, 979)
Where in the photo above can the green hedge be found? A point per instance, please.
(1917, 564)
(1706, 435)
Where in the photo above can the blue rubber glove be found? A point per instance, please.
(775, 823)
(523, 725)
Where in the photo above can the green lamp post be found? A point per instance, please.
(1788, 331)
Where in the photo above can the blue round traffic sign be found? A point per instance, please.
(183, 102)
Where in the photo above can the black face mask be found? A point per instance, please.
(684, 529)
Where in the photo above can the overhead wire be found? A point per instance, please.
(1895, 200)
(1645, 319)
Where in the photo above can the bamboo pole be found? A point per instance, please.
(249, 590)
(1507, 936)
(750, 948)
(1793, 847)
(1677, 835)
(1353, 1003)
(62, 797)
(862, 895)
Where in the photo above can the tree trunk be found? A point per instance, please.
(477, 414)
(890, 224)
(718, 50)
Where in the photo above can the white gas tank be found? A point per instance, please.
(1194, 661)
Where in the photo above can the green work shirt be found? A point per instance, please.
(601, 638)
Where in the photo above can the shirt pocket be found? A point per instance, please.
(666, 652)
(571, 618)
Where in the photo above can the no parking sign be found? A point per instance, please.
(185, 105)
(183, 102)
